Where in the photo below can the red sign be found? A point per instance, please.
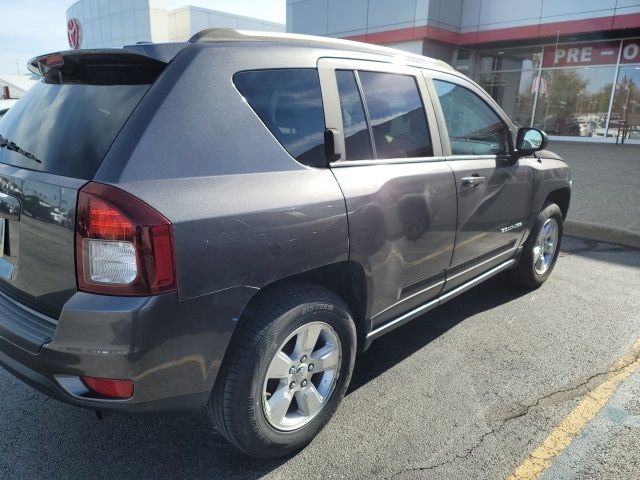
(581, 54)
(73, 33)
(630, 51)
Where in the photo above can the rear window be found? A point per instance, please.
(66, 122)
(67, 127)
(289, 103)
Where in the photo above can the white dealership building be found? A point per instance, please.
(104, 23)
(571, 67)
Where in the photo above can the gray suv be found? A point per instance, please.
(226, 222)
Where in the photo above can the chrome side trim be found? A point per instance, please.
(420, 292)
(401, 320)
(511, 251)
(473, 282)
(385, 161)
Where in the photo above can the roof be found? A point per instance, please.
(20, 82)
(231, 35)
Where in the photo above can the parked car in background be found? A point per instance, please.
(226, 222)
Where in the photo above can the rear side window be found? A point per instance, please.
(474, 128)
(396, 114)
(356, 132)
(289, 103)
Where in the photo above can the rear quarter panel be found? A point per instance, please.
(245, 213)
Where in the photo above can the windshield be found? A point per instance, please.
(68, 127)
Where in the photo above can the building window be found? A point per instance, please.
(568, 85)
(510, 76)
(289, 103)
(574, 101)
(463, 61)
(515, 92)
(510, 59)
(625, 112)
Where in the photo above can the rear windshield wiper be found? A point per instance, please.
(5, 143)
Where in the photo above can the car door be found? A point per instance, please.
(399, 190)
(494, 190)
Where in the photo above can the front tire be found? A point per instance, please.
(286, 371)
(540, 251)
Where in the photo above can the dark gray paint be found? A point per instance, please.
(502, 201)
(40, 244)
(402, 229)
(170, 349)
(246, 215)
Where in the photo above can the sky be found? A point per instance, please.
(33, 27)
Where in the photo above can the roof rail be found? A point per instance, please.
(231, 35)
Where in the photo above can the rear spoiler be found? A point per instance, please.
(144, 54)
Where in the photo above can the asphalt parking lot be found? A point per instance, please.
(469, 391)
(606, 184)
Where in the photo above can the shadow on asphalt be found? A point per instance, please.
(399, 344)
(601, 251)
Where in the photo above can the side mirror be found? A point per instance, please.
(530, 140)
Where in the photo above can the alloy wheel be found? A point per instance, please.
(301, 376)
(544, 249)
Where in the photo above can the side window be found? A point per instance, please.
(474, 129)
(356, 132)
(397, 116)
(289, 103)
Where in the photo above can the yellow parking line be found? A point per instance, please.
(561, 437)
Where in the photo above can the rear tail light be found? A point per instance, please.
(109, 387)
(123, 246)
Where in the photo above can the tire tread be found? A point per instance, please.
(253, 326)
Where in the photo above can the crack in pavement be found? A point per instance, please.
(524, 411)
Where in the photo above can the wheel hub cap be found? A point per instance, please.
(301, 376)
(544, 249)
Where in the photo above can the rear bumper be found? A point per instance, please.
(170, 349)
(29, 368)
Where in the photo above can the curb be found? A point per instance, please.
(602, 233)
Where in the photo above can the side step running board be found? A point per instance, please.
(401, 320)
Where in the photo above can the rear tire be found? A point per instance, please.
(275, 390)
(540, 251)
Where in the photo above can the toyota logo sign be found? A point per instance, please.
(73, 33)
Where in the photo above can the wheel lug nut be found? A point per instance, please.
(292, 370)
(292, 385)
(303, 359)
(310, 367)
(304, 383)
